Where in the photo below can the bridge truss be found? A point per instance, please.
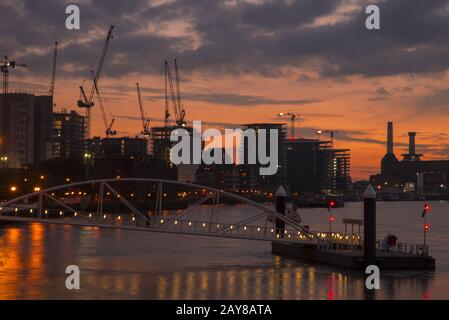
(156, 205)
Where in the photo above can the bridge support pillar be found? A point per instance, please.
(39, 205)
(369, 225)
(281, 197)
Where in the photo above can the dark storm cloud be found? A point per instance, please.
(205, 123)
(231, 37)
(382, 94)
(244, 100)
(436, 101)
(231, 99)
(382, 91)
(281, 14)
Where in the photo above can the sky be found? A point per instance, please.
(244, 61)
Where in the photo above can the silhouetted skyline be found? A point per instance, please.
(252, 59)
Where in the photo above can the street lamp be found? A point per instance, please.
(426, 210)
(331, 217)
(3, 161)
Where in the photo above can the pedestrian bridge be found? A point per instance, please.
(70, 204)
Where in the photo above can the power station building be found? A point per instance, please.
(411, 174)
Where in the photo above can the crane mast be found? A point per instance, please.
(331, 134)
(145, 122)
(167, 103)
(107, 125)
(181, 110)
(294, 115)
(5, 65)
(175, 96)
(53, 74)
(88, 100)
(172, 91)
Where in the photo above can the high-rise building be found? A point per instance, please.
(161, 149)
(43, 124)
(341, 169)
(116, 147)
(313, 166)
(222, 176)
(308, 165)
(69, 130)
(161, 144)
(250, 176)
(25, 128)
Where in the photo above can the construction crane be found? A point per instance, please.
(5, 65)
(53, 74)
(175, 98)
(87, 101)
(293, 115)
(181, 110)
(145, 122)
(167, 103)
(331, 135)
(108, 125)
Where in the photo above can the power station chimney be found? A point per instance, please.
(390, 138)
(411, 143)
(412, 155)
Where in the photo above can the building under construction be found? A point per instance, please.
(313, 166)
(411, 174)
(160, 142)
(250, 178)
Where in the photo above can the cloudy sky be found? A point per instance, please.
(246, 60)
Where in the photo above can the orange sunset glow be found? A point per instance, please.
(238, 65)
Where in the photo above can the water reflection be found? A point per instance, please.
(119, 264)
(272, 283)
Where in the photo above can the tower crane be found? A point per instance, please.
(293, 115)
(167, 103)
(108, 125)
(331, 133)
(181, 110)
(53, 74)
(175, 98)
(145, 122)
(87, 101)
(5, 65)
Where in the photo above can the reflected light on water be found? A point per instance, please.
(119, 264)
(266, 284)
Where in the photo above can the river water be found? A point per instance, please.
(119, 264)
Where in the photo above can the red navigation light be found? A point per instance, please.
(331, 218)
(427, 207)
(426, 227)
(332, 204)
